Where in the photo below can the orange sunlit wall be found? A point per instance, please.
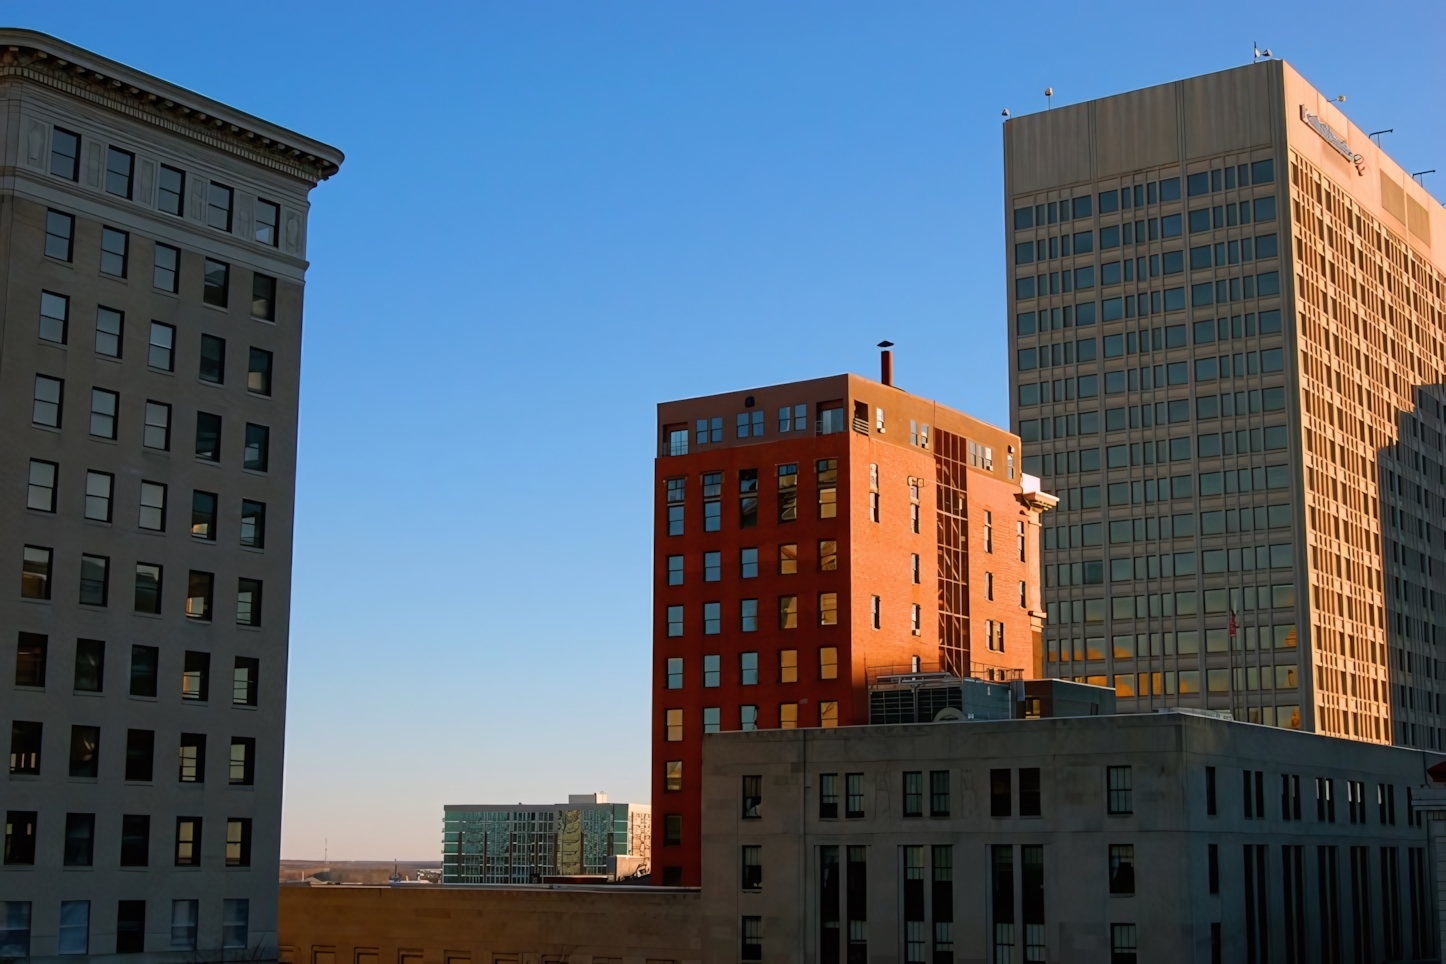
(815, 529)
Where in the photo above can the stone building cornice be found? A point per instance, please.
(79, 73)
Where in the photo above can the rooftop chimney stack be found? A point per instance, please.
(886, 363)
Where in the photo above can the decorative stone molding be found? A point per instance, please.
(44, 60)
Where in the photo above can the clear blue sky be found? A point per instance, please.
(554, 215)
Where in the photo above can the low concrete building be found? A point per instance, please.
(1174, 837)
(502, 843)
(489, 924)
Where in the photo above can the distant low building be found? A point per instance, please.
(523, 843)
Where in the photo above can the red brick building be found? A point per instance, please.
(807, 535)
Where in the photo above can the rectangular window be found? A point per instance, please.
(828, 714)
(712, 719)
(1122, 869)
(35, 573)
(258, 372)
(184, 913)
(788, 716)
(914, 794)
(140, 755)
(203, 516)
(752, 875)
(119, 168)
(748, 497)
(148, 588)
(245, 678)
(787, 493)
(248, 602)
(79, 839)
(59, 235)
(171, 191)
(30, 659)
(188, 854)
(675, 570)
(135, 839)
(109, 330)
(827, 554)
(1029, 795)
(114, 252)
(828, 662)
(939, 793)
(828, 609)
(208, 436)
(712, 501)
(253, 525)
(98, 486)
(130, 928)
(145, 661)
(64, 159)
(827, 488)
(748, 669)
(167, 271)
(788, 559)
(47, 407)
(788, 666)
(673, 776)
(94, 580)
(236, 916)
(257, 455)
(199, 593)
(1001, 796)
(104, 409)
(217, 283)
(853, 795)
(787, 612)
(263, 297)
(157, 430)
(218, 206)
(54, 317)
(243, 761)
(712, 618)
(238, 842)
(40, 489)
(213, 359)
(675, 620)
(268, 219)
(20, 849)
(1121, 790)
(196, 677)
(673, 725)
(193, 758)
(827, 796)
(84, 751)
(25, 746)
(161, 352)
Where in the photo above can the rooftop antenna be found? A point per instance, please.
(1004, 112)
(1389, 130)
(1260, 53)
(1048, 93)
(1420, 174)
(1340, 98)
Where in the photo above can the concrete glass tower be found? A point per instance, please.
(154, 244)
(1227, 353)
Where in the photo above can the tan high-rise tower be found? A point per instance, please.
(154, 244)
(1227, 359)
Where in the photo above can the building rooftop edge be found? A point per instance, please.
(1171, 716)
(539, 888)
(109, 83)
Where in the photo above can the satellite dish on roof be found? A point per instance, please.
(948, 714)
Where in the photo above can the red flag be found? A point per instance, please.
(1232, 624)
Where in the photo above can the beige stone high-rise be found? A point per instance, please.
(154, 247)
(1227, 360)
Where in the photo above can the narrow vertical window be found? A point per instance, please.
(216, 283)
(218, 206)
(104, 410)
(54, 317)
(119, 167)
(712, 501)
(1001, 873)
(166, 272)
(59, 235)
(827, 470)
(268, 218)
(40, 490)
(787, 493)
(114, 252)
(109, 330)
(257, 453)
(263, 297)
(64, 154)
(171, 191)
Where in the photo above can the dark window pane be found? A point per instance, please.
(217, 283)
(258, 373)
(218, 207)
(145, 661)
(263, 297)
(253, 524)
(171, 191)
(208, 436)
(118, 167)
(213, 359)
(65, 154)
(258, 446)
